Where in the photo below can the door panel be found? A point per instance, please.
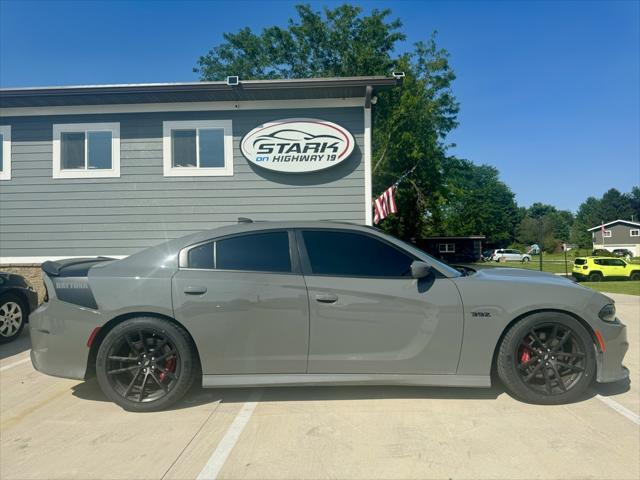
(244, 322)
(402, 326)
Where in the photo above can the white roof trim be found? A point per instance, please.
(628, 222)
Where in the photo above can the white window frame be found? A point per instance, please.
(60, 128)
(446, 248)
(197, 125)
(5, 173)
(636, 234)
(607, 234)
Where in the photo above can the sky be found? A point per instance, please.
(549, 90)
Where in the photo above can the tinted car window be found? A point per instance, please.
(580, 261)
(201, 256)
(264, 252)
(616, 263)
(354, 255)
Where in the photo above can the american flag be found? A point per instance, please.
(384, 205)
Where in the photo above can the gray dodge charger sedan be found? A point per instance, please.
(316, 303)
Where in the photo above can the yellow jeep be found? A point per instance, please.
(596, 269)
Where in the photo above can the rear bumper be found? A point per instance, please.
(59, 333)
(610, 367)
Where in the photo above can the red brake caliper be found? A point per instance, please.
(170, 366)
(525, 354)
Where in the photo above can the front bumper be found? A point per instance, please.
(610, 368)
(59, 333)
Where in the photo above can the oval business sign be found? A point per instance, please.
(297, 145)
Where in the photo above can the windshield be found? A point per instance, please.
(443, 267)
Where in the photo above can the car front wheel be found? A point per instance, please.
(146, 364)
(547, 358)
(13, 316)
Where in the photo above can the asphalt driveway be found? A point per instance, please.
(61, 429)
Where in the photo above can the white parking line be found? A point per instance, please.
(624, 411)
(219, 456)
(15, 364)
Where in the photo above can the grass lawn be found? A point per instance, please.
(628, 287)
(550, 267)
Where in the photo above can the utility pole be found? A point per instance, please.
(540, 239)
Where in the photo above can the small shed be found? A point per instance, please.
(453, 249)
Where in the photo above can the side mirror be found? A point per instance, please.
(420, 269)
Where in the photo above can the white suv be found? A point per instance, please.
(508, 255)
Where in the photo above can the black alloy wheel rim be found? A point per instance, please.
(143, 366)
(551, 359)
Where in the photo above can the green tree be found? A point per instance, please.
(411, 123)
(338, 42)
(612, 206)
(477, 202)
(546, 221)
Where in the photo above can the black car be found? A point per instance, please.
(18, 298)
(622, 252)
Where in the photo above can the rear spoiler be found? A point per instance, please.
(72, 267)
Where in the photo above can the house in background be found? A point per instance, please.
(453, 249)
(617, 234)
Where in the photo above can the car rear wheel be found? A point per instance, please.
(146, 364)
(13, 316)
(526, 259)
(595, 277)
(547, 358)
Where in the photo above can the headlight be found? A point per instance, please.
(608, 313)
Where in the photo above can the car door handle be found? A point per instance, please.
(326, 298)
(195, 290)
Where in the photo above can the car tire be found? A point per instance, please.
(595, 277)
(129, 373)
(578, 352)
(635, 276)
(13, 316)
(526, 259)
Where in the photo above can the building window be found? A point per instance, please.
(635, 232)
(86, 150)
(607, 233)
(5, 152)
(197, 148)
(447, 247)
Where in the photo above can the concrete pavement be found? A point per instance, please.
(61, 429)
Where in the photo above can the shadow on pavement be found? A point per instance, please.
(19, 345)
(90, 390)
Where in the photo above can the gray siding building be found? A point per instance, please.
(109, 170)
(619, 234)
